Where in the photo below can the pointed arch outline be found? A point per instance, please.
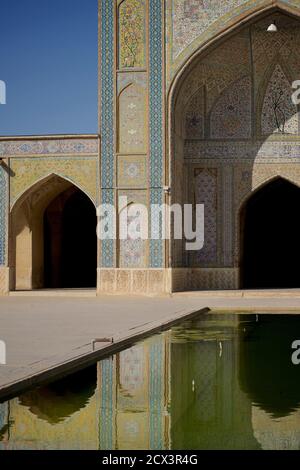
(240, 213)
(26, 219)
(143, 95)
(40, 181)
(221, 35)
(130, 202)
(262, 184)
(187, 105)
(174, 87)
(224, 32)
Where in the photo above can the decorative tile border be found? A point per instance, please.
(107, 246)
(156, 13)
(227, 219)
(134, 281)
(156, 246)
(3, 212)
(107, 118)
(259, 150)
(156, 393)
(46, 147)
(106, 372)
(107, 93)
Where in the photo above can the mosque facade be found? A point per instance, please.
(195, 107)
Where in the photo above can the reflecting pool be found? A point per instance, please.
(220, 381)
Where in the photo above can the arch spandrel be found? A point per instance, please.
(78, 171)
(194, 25)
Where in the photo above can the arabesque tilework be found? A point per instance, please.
(132, 171)
(42, 146)
(189, 28)
(206, 192)
(132, 34)
(192, 17)
(190, 23)
(231, 115)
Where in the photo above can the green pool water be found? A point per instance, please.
(220, 381)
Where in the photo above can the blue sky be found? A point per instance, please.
(48, 60)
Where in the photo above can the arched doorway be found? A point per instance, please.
(70, 244)
(270, 234)
(53, 242)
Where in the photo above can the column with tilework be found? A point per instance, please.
(131, 46)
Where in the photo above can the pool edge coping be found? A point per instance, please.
(81, 361)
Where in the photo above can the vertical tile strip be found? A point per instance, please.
(3, 201)
(156, 118)
(156, 394)
(107, 118)
(228, 221)
(106, 406)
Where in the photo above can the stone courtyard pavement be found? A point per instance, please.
(48, 335)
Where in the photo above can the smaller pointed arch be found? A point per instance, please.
(132, 119)
(278, 113)
(132, 249)
(46, 181)
(53, 239)
(270, 256)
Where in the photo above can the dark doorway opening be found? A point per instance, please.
(270, 234)
(70, 242)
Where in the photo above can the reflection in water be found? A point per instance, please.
(62, 415)
(4, 420)
(271, 380)
(211, 412)
(267, 373)
(59, 400)
(217, 382)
